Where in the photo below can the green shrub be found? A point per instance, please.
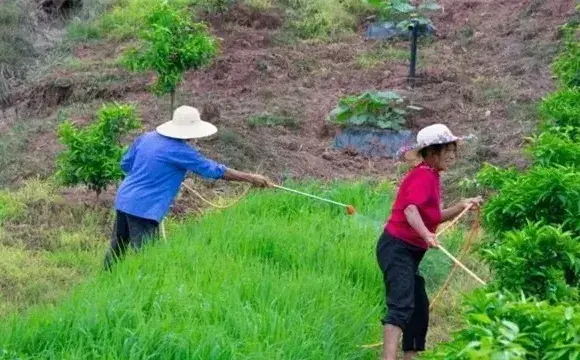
(379, 109)
(503, 326)
(93, 154)
(544, 194)
(172, 45)
(539, 260)
(493, 177)
(556, 148)
(566, 66)
(561, 109)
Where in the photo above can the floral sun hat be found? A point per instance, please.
(430, 135)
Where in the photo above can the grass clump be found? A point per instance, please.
(382, 55)
(46, 245)
(16, 43)
(323, 19)
(307, 19)
(277, 276)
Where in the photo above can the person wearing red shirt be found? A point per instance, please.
(409, 233)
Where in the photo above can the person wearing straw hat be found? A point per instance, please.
(155, 165)
(409, 233)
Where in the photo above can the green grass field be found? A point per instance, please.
(278, 276)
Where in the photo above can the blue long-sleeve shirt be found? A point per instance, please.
(156, 166)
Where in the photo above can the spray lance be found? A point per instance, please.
(349, 208)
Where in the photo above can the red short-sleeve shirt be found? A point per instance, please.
(420, 187)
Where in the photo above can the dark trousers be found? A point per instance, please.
(407, 302)
(129, 232)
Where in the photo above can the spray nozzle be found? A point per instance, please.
(350, 210)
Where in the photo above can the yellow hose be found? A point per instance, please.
(163, 234)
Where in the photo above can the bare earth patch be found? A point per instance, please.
(482, 74)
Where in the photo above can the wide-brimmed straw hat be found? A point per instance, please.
(186, 124)
(430, 135)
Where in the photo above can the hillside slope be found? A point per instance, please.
(482, 74)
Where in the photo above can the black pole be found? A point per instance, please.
(414, 27)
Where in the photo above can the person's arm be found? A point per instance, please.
(451, 212)
(456, 209)
(414, 219)
(235, 175)
(192, 160)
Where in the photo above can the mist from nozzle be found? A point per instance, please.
(368, 221)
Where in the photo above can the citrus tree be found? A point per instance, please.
(93, 154)
(171, 44)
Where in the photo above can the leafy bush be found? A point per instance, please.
(540, 260)
(493, 177)
(544, 194)
(561, 109)
(93, 154)
(172, 45)
(371, 108)
(502, 326)
(402, 11)
(556, 148)
(566, 66)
